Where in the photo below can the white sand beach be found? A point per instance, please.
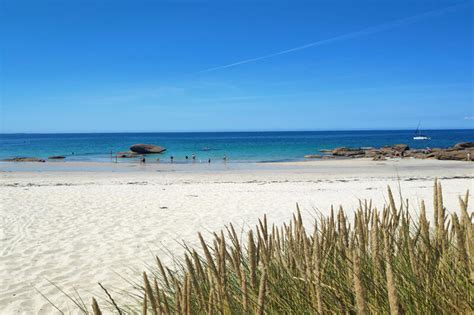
(78, 224)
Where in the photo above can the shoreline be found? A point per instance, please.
(94, 166)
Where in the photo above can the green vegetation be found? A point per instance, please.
(384, 262)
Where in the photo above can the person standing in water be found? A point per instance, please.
(171, 158)
(194, 158)
(209, 161)
(225, 158)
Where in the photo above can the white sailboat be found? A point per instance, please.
(418, 135)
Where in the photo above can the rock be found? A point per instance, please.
(463, 145)
(396, 150)
(348, 152)
(127, 154)
(146, 148)
(340, 150)
(458, 152)
(372, 153)
(419, 155)
(400, 147)
(25, 159)
(379, 158)
(319, 156)
(415, 153)
(56, 157)
(458, 155)
(325, 151)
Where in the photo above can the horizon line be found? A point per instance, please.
(224, 131)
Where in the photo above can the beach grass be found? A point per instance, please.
(381, 261)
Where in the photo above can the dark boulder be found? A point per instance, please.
(146, 148)
(25, 159)
(127, 154)
(56, 157)
(463, 145)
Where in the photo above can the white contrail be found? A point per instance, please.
(366, 31)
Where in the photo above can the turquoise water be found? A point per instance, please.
(237, 146)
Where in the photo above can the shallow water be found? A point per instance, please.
(237, 146)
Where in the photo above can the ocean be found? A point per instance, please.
(237, 146)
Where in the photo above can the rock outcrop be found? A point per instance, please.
(461, 152)
(56, 157)
(348, 152)
(457, 155)
(25, 159)
(146, 148)
(387, 151)
(463, 145)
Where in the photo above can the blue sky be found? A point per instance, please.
(104, 66)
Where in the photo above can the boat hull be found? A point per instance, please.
(421, 138)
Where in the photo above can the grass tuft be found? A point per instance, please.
(383, 262)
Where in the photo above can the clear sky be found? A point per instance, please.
(104, 66)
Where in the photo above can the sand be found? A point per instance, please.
(77, 224)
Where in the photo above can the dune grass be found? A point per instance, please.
(385, 261)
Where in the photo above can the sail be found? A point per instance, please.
(418, 135)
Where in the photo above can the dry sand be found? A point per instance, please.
(78, 224)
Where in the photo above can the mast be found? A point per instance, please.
(417, 132)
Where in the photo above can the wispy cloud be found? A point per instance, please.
(407, 88)
(366, 31)
(469, 118)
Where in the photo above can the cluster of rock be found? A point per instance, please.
(135, 151)
(34, 159)
(139, 149)
(25, 159)
(462, 151)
